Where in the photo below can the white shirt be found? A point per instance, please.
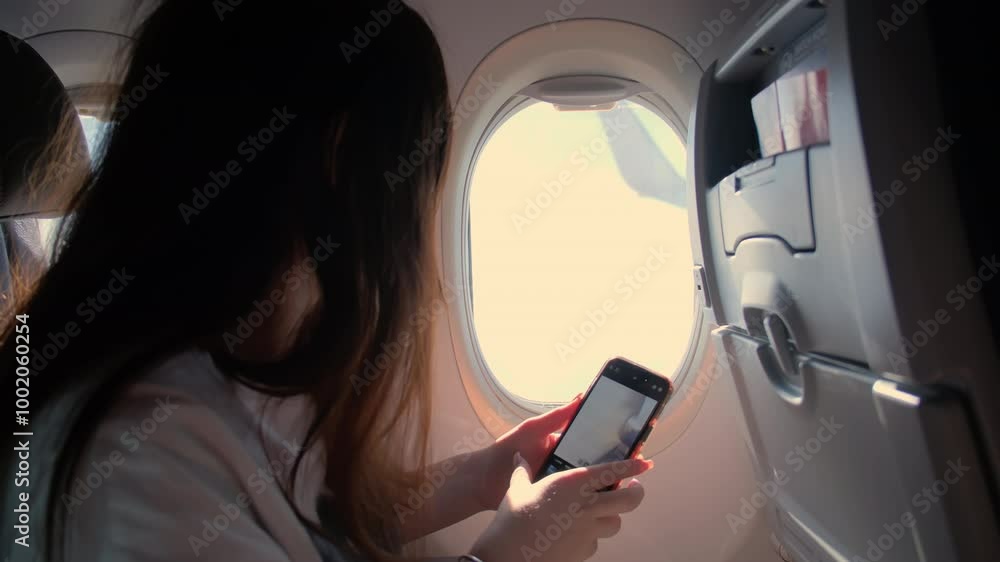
(177, 471)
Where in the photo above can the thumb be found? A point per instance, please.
(557, 419)
(522, 472)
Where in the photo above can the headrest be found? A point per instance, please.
(34, 106)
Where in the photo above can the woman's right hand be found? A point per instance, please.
(561, 517)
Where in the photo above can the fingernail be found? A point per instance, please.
(633, 483)
(517, 459)
(577, 397)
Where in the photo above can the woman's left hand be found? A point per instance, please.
(533, 438)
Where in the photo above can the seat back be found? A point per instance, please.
(834, 272)
(36, 110)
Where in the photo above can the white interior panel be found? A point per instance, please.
(703, 470)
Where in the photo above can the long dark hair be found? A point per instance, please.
(199, 221)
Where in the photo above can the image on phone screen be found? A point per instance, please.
(608, 424)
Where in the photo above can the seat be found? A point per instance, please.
(828, 278)
(36, 110)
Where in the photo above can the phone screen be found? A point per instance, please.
(612, 419)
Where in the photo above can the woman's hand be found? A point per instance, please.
(561, 517)
(477, 481)
(533, 439)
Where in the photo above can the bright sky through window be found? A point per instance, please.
(580, 248)
(93, 131)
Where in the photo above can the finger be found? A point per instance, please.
(607, 473)
(556, 419)
(616, 502)
(608, 527)
(520, 478)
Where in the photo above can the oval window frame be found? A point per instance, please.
(584, 47)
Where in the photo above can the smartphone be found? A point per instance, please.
(617, 414)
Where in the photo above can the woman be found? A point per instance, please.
(233, 265)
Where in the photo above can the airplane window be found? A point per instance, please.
(93, 130)
(580, 247)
